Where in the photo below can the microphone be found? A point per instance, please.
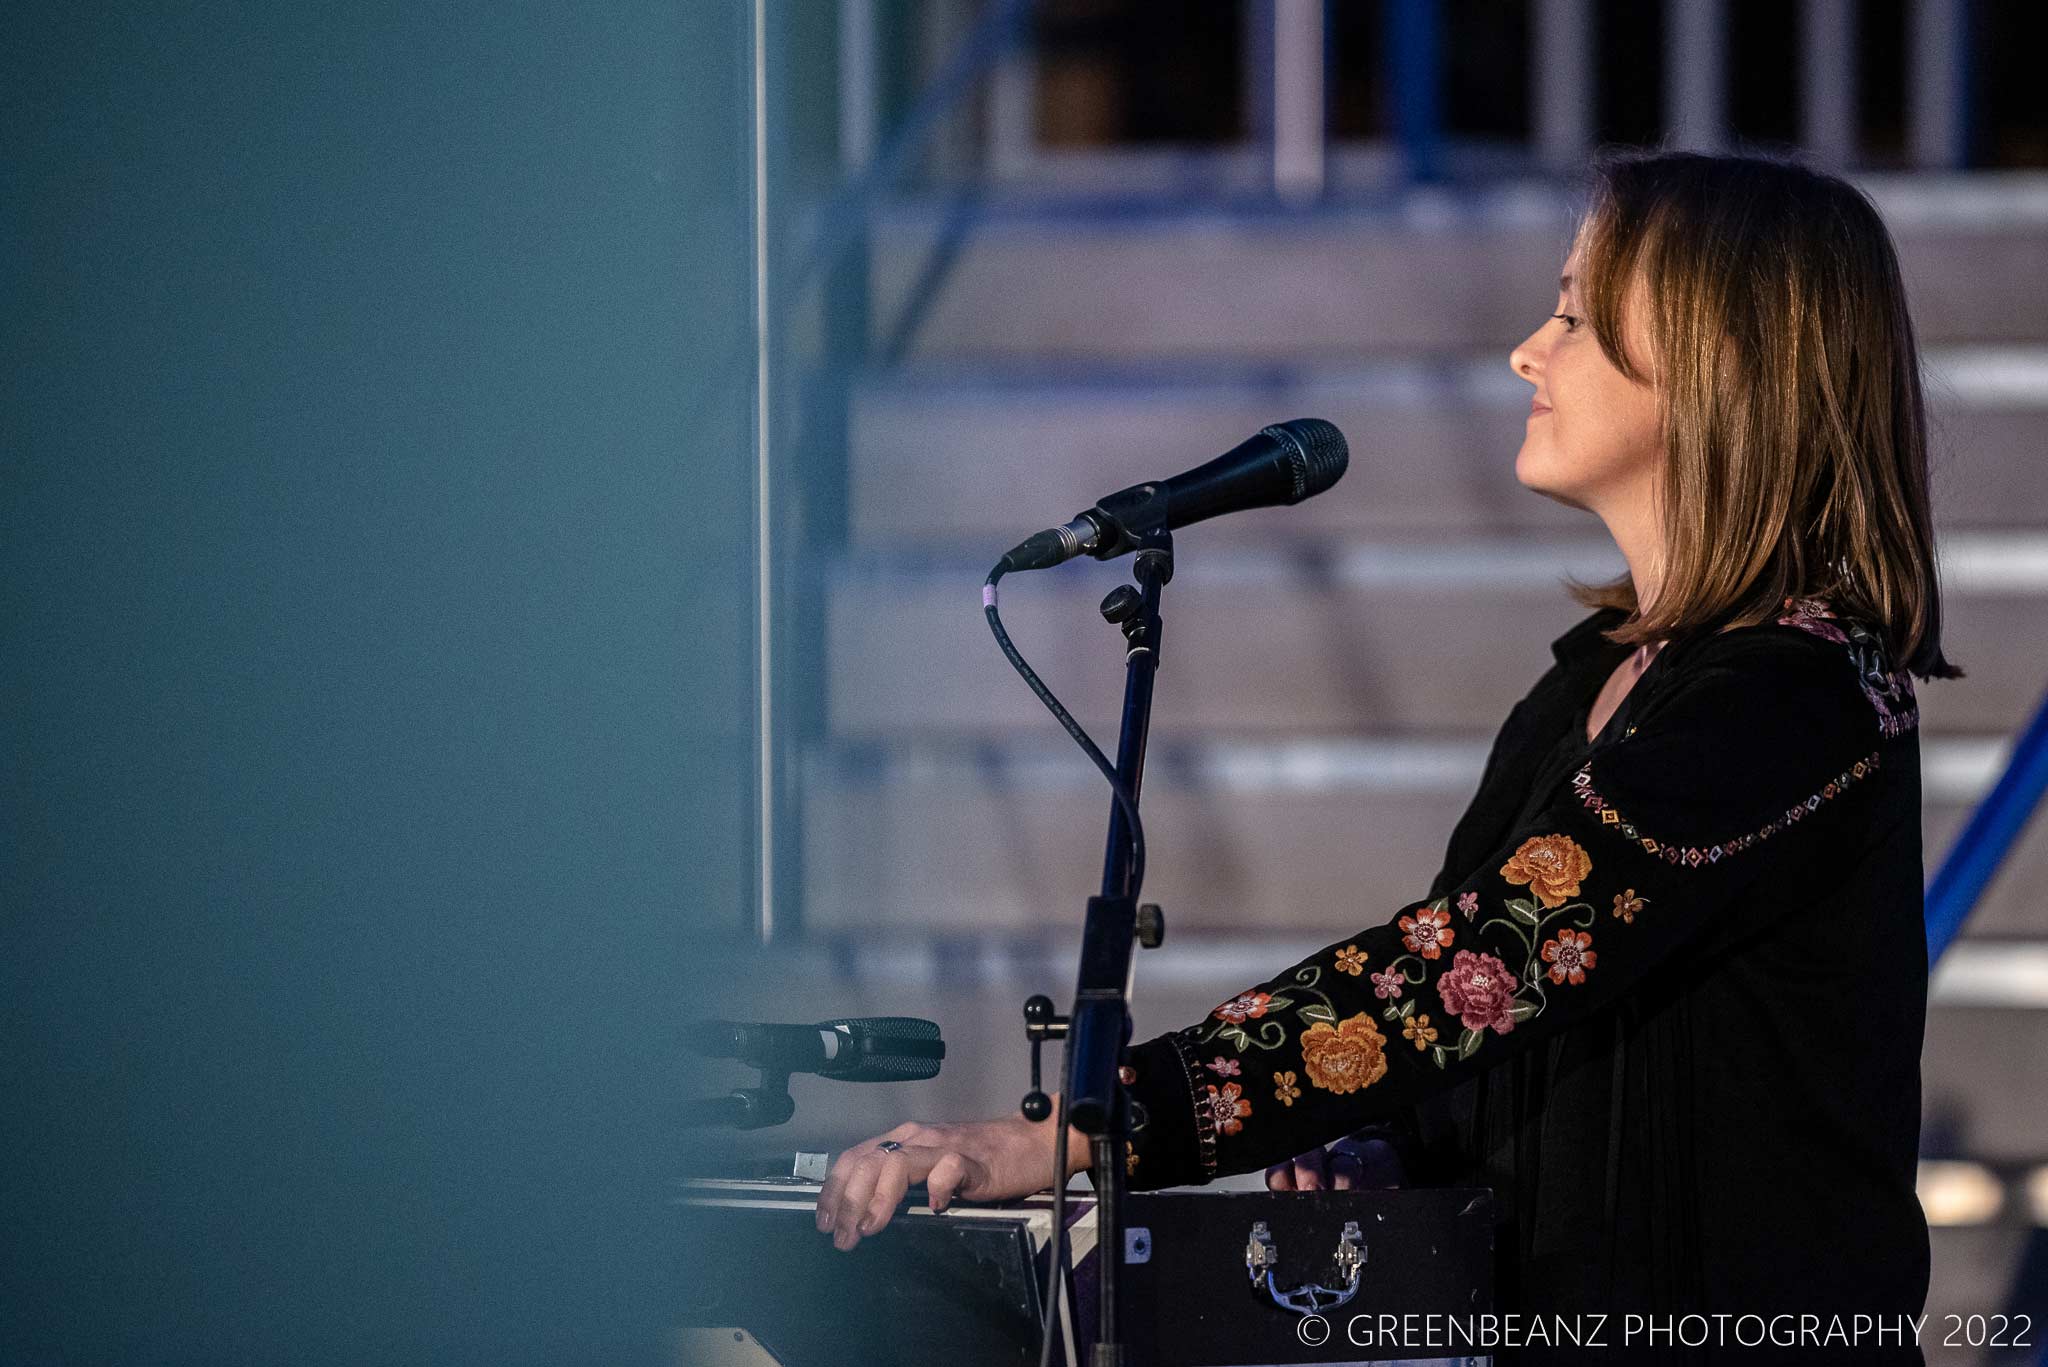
(1283, 464)
(849, 1049)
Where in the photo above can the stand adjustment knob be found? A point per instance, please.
(1121, 604)
(1040, 1025)
(1151, 925)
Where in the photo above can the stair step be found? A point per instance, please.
(1361, 638)
(1243, 837)
(994, 451)
(1438, 271)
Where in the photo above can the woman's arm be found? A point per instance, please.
(1725, 792)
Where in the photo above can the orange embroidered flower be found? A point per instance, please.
(1346, 1057)
(1243, 1007)
(1552, 866)
(1418, 1029)
(1427, 932)
(1569, 955)
(1351, 959)
(1285, 1089)
(1227, 1107)
(1627, 904)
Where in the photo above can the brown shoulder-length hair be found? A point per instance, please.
(1795, 441)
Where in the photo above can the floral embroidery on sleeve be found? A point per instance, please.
(1418, 1031)
(1480, 989)
(1569, 955)
(1427, 932)
(1343, 1058)
(1551, 866)
(1227, 1107)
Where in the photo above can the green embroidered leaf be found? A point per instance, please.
(1523, 910)
(1316, 1011)
(1468, 1043)
(1521, 1011)
(1407, 1009)
(1279, 1003)
(1438, 1052)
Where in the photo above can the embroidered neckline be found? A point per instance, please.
(1889, 690)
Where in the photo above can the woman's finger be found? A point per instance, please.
(1280, 1177)
(1345, 1172)
(834, 1184)
(1309, 1172)
(853, 1199)
(945, 1181)
(894, 1174)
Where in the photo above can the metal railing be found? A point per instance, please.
(1285, 53)
(1988, 837)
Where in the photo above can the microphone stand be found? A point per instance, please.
(743, 1108)
(1100, 1025)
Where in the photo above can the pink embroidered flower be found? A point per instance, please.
(1479, 991)
(1226, 1107)
(1569, 955)
(1468, 902)
(1427, 932)
(1243, 1007)
(1224, 1067)
(1387, 984)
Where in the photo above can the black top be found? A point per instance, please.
(1665, 997)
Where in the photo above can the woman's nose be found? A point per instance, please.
(1525, 360)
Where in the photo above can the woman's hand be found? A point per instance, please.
(1348, 1163)
(988, 1160)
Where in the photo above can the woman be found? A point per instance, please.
(1666, 996)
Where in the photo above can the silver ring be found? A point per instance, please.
(889, 1146)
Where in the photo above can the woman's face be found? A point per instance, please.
(1594, 440)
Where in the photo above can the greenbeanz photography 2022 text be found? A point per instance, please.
(1716, 1330)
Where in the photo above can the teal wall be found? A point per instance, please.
(374, 545)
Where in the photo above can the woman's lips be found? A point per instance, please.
(1535, 408)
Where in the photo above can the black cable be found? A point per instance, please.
(1123, 796)
(1060, 1272)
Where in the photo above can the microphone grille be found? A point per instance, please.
(901, 1048)
(1320, 452)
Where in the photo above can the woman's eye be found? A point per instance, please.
(1570, 321)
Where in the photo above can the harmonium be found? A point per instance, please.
(1209, 1279)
